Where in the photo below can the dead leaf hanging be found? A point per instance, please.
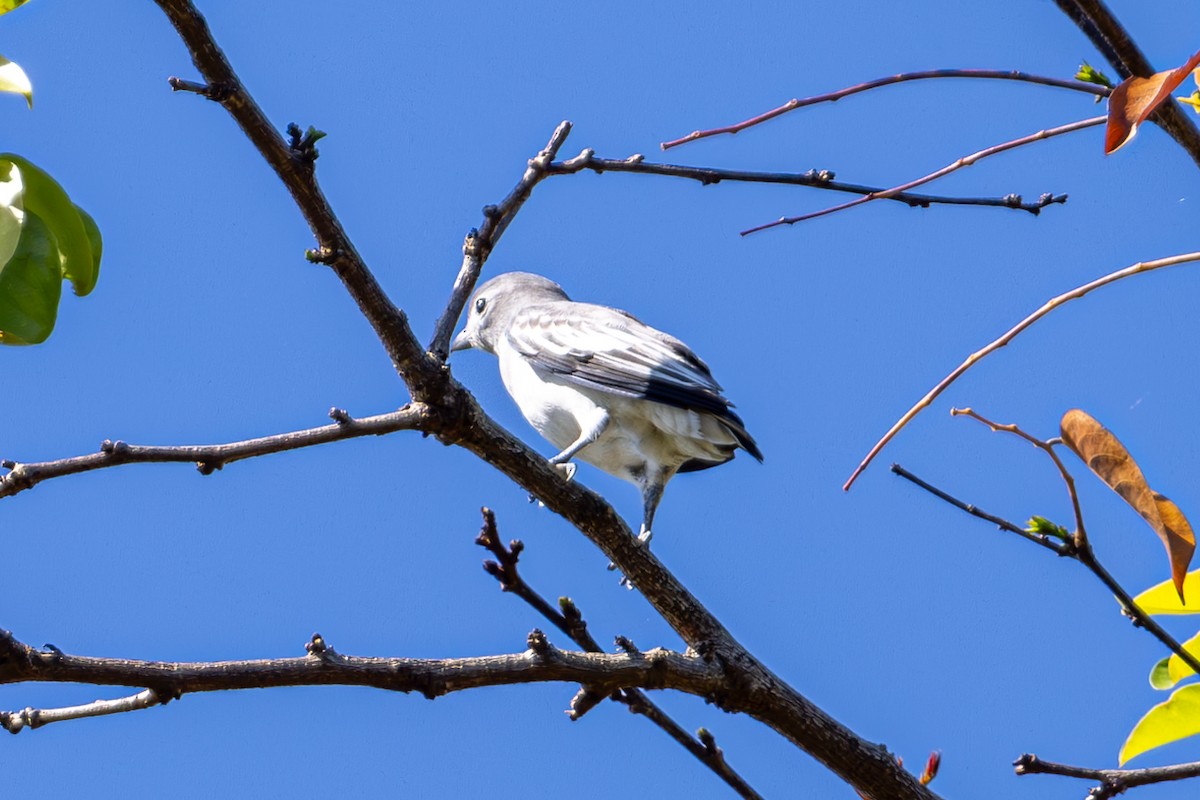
(1112, 463)
(1135, 99)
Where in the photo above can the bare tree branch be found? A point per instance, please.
(749, 686)
(295, 169)
(1112, 781)
(1050, 305)
(15, 721)
(1113, 41)
(816, 179)
(209, 458)
(890, 80)
(479, 243)
(570, 621)
(965, 161)
(542, 662)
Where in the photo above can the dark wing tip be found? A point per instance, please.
(749, 445)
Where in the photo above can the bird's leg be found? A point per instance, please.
(651, 495)
(562, 461)
(586, 436)
(652, 491)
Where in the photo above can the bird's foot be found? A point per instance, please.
(568, 472)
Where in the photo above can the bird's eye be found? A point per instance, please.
(480, 305)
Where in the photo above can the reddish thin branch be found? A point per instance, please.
(831, 97)
(965, 161)
(1012, 333)
(1080, 539)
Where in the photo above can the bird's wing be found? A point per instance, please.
(606, 349)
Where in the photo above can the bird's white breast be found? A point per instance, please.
(556, 410)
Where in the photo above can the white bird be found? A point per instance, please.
(604, 386)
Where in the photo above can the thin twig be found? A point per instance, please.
(1084, 555)
(975, 511)
(570, 621)
(1050, 305)
(793, 104)
(965, 161)
(1080, 540)
(1112, 781)
(209, 458)
(816, 179)
(1112, 39)
(480, 242)
(14, 721)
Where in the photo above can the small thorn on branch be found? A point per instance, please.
(217, 92)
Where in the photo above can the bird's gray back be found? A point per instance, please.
(609, 350)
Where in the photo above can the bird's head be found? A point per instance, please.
(494, 305)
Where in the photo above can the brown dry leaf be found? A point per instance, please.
(1109, 459)
(1135, 99)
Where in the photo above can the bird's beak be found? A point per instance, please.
(461, 342)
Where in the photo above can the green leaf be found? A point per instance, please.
(1162, 599)
(1160, 677)
(8, 5)
(1089, 74)
(94, 239)
(47, 199)
(1044, 527)
(1176, 668)
(1176, 718)
(30, 285)
(13, 79)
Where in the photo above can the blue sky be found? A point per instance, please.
(912, 623)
